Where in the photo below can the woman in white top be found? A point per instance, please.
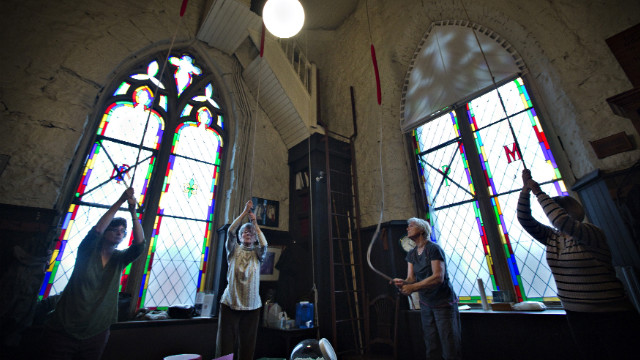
(240, 304)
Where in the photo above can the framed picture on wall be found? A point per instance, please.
(268, 271)
(266, 211)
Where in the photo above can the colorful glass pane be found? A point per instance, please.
(505, 144)
(189, 188)
(507, 134)
(107, 173)
(174, 271)
(452, 209)
(464, 246)
(185, 69)
(163, 102)
(126, 121)
(207, 97)
(151, 75)
(122, 89)
(133, 130)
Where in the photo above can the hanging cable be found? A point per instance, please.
(495, 86)
(256, 111)
(379, 98)
(314, 288)
(183, 8)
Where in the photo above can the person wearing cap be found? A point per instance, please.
(602, 320)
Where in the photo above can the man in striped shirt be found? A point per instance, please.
(602, 320)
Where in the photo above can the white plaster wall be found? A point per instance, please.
(57, 58)
(562, 42)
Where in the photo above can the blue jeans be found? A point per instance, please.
(442, 331)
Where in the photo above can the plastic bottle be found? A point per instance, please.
(265, 313)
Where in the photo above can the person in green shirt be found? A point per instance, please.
(78, 327)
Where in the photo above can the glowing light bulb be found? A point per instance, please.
(283, 18)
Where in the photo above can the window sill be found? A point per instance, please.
(132, 324)
(480, 311)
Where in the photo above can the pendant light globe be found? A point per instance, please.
(283, 18)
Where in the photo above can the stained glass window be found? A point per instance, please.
(164, 132)
(506, 132)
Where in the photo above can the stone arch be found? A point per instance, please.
(514, 64)
(217, 70)
(545, 84)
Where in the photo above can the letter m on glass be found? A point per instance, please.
(511, 154)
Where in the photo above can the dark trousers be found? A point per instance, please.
(442, 331)
(59, 345)
(237, 332)
(605, 335)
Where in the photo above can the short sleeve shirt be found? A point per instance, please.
(441, 295)
(89, 302)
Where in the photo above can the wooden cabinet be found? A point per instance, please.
(310, 224)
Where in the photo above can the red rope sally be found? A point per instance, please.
(375, 69)
(183, 8)
(379, 98)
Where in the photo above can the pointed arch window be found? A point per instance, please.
(163, 135)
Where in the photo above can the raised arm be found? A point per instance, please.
(105, 220)
(232, 237)
(262, 241)
(587, 234)
(538, 231)
(236, 223)
(137, 245)
(138, 233)
(261, 249)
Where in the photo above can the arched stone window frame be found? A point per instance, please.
(505, 273)
(205, 94)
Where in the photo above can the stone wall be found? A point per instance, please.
(562, 42)
(58, 56)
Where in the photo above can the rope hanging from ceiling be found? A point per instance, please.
(154, 95)
(257, 108)
(376, 234)
(495, 86)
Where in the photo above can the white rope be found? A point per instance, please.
(255, 124)
(495, 86)
(153, 100)
(377, 232)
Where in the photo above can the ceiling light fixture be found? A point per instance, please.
(283, 18)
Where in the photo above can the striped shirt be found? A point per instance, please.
(578, 256)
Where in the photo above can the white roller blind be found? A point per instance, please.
(448, 67)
